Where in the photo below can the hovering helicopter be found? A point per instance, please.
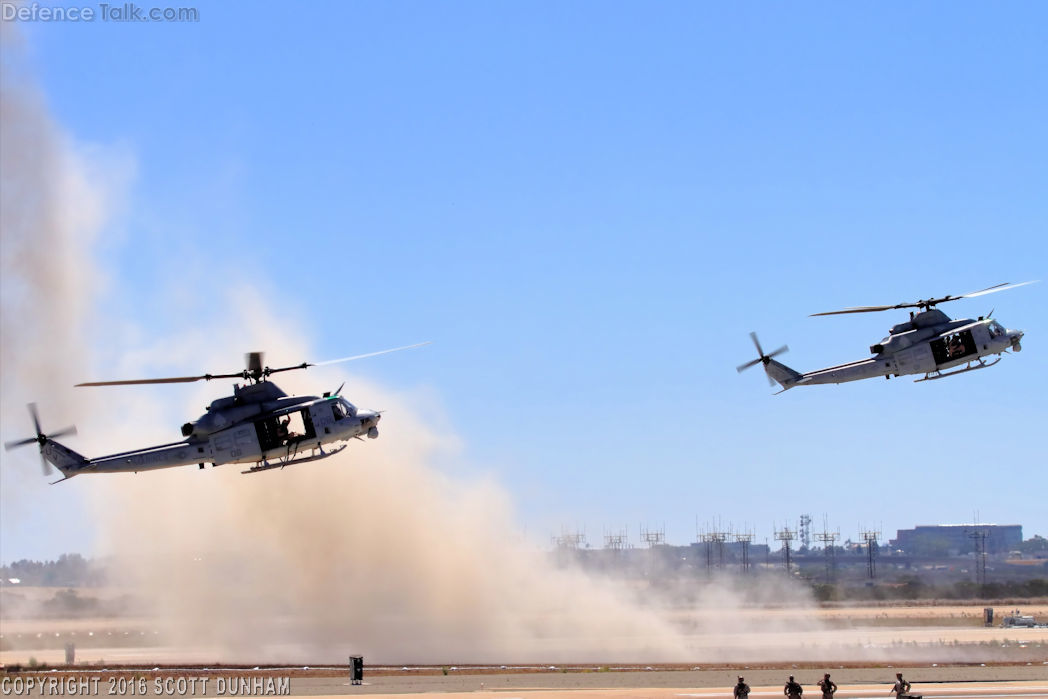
(258, 424)
(928, 343)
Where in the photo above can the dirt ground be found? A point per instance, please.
(895, 638)
(962, 681)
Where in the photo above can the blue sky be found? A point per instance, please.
(587, 206)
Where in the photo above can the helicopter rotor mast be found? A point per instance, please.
(926, 304)
(254, 372)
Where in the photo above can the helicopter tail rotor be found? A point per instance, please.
(762, 358)
(40, 438)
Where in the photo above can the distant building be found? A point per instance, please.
(957, 539)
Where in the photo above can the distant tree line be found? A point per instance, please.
(1036, 544)
(70, 570)
(912, 588)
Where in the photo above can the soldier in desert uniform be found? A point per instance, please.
(828, 686)
(901, 688)
(742, 690)
(793, 689)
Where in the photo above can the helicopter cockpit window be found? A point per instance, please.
(996, 329)
(338, 411)
(341, 408)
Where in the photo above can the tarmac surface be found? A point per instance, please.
(929, 682)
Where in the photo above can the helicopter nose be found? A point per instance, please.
(368, 417)
(1015, 336)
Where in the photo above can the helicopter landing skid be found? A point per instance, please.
(281, 463)
(939, 375)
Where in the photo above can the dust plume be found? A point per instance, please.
(373, 550)
(56, 197)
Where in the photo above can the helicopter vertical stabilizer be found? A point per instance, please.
(63, 458)
(51, 452)
(783, 375)
(776, 371)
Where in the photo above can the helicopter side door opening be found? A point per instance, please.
(279, 431)
(953, 346)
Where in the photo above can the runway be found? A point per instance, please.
(930, 682)
(639, 686)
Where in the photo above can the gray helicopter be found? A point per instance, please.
(928, 343)
(258, 424)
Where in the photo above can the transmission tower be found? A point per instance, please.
(707, 541)
(785, 535)
(570, 540)
(978, 537)
(829, 551)
(617, 541)
(871, 536)
(653, 538)
(719, 538)
(744, 543)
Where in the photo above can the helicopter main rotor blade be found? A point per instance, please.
(171, 379)
(995, 289)
(927, 303)
(369, 354)
(863, 309)
(254, 371)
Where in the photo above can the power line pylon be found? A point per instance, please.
(744, 541)
(978, 537)
(870, 536)
(653, 538)
(707, 541)
(829, 551)
(617, 541)
(570, 540)
(785, 535)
